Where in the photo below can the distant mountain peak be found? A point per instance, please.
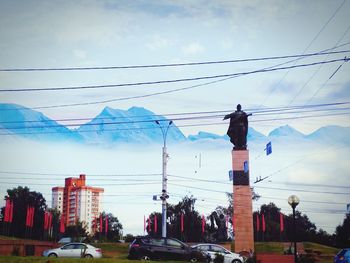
(285, 130)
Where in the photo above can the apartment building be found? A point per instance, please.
(78, 202)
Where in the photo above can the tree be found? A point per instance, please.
(22, 197)
(76, 231)
(191, 219)
(342, 233)
(114, 228)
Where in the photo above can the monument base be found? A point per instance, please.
(242, 202)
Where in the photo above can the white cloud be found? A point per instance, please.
(193, 49)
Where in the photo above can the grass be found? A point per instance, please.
(269, 247)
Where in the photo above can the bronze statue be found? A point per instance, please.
(238, 129)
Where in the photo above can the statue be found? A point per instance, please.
(238, 129)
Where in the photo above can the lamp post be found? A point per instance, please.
(164, 196)
(293, 201)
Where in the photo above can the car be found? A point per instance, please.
(211, 250)
(343, 256)
(74, 250)
(149, 248)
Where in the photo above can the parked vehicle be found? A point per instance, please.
(147, 248)
(343, 256)
(211, 250)
(74, 250)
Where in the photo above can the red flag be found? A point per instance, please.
(203, 223)
(182, 222)
(101, 226)
(106, 224)
(11, 212)
(31, 216)
(62, 227)
(7, 211)
(281, 222)
(257, 223)
(263, 223)
(45, 220)
(155, 224)
(27, 218)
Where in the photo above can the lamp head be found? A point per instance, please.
(293, 201)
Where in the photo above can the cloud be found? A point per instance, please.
(158, 42)
(193, 49)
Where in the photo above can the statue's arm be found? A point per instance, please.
(228, 116)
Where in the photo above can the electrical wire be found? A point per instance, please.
(171, 81)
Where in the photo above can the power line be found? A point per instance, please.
(173, 64)
(173, 80)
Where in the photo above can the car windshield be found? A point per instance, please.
(69, 246)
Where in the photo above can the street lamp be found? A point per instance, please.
(164, 196)
(293, 201)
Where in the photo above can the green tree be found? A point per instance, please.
(342, 233)
(76, 232)
(114, 228)
(22, 197)
(192, 221)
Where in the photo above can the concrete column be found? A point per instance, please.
(242, 202)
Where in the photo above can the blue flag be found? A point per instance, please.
(268, 148)
(246, 167)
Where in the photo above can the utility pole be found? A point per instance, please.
(164, 196)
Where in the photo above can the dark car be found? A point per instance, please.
(343, 256)
(148, 248)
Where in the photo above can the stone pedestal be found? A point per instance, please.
(242, 202)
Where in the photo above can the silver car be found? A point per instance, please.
(74, 250)
(212, 249)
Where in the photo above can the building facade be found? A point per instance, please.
(78, 202)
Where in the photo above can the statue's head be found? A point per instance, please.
(239, 107)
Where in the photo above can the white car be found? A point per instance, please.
(212, 249)
(74, 250)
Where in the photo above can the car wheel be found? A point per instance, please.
(193, 259)
(236, 261)
(145, 258)
(52, 255)
(88, 256)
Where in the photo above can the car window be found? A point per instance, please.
(173, 243)
(203, 247)
(69, 246)
(146, 240)
(157, 241)
(217, 249)
(79, 246)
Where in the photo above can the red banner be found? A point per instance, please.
(106, 224)
(182, 222)
(30, 216)
(257, 223)
(263, 223)
(7, 210)
(46, 220)
(281, 222)
(62, 226)
(101, 223)
(203, 223)
(155, 224)
(11, 212)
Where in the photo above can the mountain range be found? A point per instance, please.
(136, 125)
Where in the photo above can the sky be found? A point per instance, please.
(69, 34)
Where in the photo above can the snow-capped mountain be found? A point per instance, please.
(286, 131)
(18, 120)
(138, 125)
(133, 125)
